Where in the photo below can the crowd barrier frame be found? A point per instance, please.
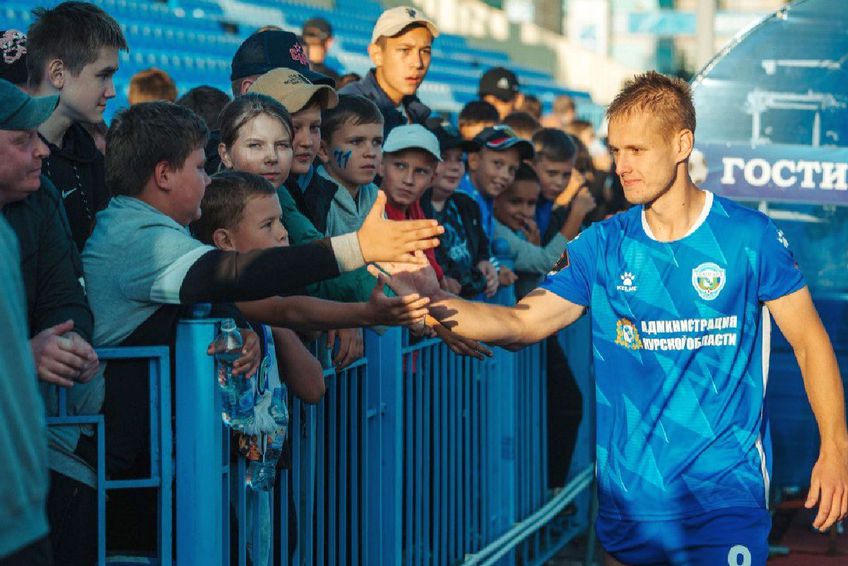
(415, 456)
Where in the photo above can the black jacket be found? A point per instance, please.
(50, 262)
(417, 111)
(314, 201)
(558, 217)
(77, 170)
(469, 213)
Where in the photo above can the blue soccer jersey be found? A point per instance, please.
(681, 350)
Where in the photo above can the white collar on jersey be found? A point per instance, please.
(708, 204)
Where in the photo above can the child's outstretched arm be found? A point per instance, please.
(310, 313)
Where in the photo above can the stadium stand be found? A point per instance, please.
(194, 41)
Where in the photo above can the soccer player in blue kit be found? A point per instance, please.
(682, 289)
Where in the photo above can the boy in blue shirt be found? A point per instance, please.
(491, 169)
(678, 286)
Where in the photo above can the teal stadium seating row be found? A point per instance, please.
(189, 39)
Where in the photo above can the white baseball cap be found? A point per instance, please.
(412, 136)
(392, 21)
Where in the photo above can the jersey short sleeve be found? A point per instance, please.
(573, 274)
(779, 274)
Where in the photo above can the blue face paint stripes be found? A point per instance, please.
(341, 157)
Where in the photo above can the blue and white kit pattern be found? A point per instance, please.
(681, 346)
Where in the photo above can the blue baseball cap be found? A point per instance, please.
(20, 111)
(274, 49)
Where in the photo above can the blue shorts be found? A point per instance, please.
(735, 536)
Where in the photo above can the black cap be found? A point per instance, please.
(502, 137)
(13, 49)
(449, 137)
(274, 49)
(318, 28)
(499, 82)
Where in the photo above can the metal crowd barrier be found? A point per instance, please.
(415, 456)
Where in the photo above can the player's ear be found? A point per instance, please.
(685, 143)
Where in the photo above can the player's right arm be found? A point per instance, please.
(537, 316)
(560, 300)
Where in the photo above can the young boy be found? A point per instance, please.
(408, 166)
(464, 249)
(491, 169)
(241, 212)
(351, 149)
(514, 211)
(73, 52)
(410, 156)
(141, 264)
(475, 117)
(499, 87)
(555, 154)
(400, 50)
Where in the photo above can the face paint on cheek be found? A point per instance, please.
(341, 157)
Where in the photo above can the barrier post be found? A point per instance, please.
(199, 466)
(384, 484)
(501, 424)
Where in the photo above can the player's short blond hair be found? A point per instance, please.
(668, 99)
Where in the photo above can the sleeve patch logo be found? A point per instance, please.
(627, 335)
(561, 263)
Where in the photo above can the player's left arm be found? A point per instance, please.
(800, 323)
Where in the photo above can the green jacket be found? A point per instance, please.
(351, 287)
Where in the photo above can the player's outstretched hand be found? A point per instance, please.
(394, 240)
(406, 278)
(459, 344)
(829, 488)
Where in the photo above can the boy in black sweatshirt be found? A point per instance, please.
(73, 52)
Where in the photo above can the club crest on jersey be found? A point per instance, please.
(708, 279)
(627, 282)
(561, 263)
(627, 335)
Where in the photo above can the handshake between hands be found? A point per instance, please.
(416, 286)
(394, 251)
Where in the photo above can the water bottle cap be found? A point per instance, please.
(228, 325)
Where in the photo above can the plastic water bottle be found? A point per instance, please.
(261, 474)
(237, 391)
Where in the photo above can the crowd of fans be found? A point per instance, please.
(108, 235)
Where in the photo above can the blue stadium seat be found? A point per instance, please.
(186, 39)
